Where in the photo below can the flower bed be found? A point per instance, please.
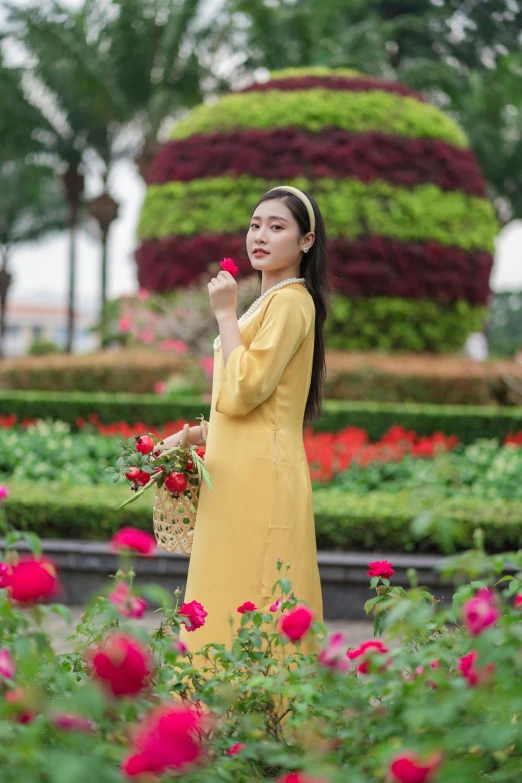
(435, 698)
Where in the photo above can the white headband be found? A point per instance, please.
(306, 201)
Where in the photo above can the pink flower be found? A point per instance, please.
(68, 721)
(333, 655)
(180, 647)
(407, 767)
(236, 748)
(227, 265)
(518, 600)
(299, 777)
(178, 346)
(248, 606)
(127, 604)
(122, 665)
(143, 294)
(381, 568)
(296, 623)
(146, 336)
(7, 667)
(137, 540)
(474, 676)
(195, 614)
(366, 651)
(275, 607)
(24, 711)
(32, 579)
(207, 363)
(125, 323)
(480, 612)
(4, 492)
(160, 387)
(166, 740)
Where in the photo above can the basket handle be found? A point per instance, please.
(184, 441)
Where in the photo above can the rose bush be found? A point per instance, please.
(436, 698)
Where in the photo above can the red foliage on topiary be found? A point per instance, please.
(356, 84)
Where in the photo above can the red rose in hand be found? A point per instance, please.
(32, 579)
(144, 444)
(176, 482)
(121, 664)
(195, 614)
(227, 265)
(381, 568)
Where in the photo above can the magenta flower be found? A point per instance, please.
(248, 606)
(480, 612)
(128, 605)
(333, 655)
(4, 492)
(7, 666)
(136, 540)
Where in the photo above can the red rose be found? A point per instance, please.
(21, 701)
(474, 676)
(299, 777)
(122, 664)
(167, 739)
(137, 540)
(407, 767)
(227, 265)
(5, 572)
(381, 568)
(481, 611)
(296, 623)
(195, 614)
(366, 651)
(236, 748)
(68, 721)
(248, 606)
(518, 597)
(176, 482)
(144, 444)
(32, 579)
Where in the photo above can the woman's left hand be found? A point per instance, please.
(222, 291)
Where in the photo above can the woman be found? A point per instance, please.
(268, 375)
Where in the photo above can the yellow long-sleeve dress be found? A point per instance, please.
(260, 507)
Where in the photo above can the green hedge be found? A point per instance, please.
(467, 422)
(344, 521)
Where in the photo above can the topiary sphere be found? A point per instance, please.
(410, 227)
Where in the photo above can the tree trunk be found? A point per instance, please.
(104, 265)
(5, 282)
(72, 277)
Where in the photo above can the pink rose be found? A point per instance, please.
(333, 656)
(227, 265)
(143, 294)
(275, 607)
(4, 492)
(248, 606)
(194, 613)
(480, 612)
(518, 600)
(178, 346)
(128, 605)
(407, 767)
(180, 647)
(146, 336)
(5, 572)
(474, 676)
(160, 387)
(381, 568)
(121, 664)
(136, 540)
(236, 748)
(207, 363)
(367, 651)
(68, 721)
(125, 323)
(296, 623)
(7, 667)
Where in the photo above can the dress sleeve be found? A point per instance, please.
(251, 376)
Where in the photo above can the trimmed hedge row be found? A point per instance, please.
(344, 521)
(467, 422)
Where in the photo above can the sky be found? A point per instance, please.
(40, 270)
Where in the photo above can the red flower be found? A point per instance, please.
(236, 748)
(518, 600)
(366, 651)
(480, 612)
(299, 777)
(137, 540)
(144, 444)
(122, 664)
(5, 572)
(32, 579)
(21, 701)
(195, 614)
(68, 721)
(474, 676)
(128, 605)
(332, 655)
(227, 265)
(248, 606)
(167, 739)
(407, 767)
(296, 623)
(381, 568)
(176, 482)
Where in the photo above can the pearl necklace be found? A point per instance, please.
(259, 302)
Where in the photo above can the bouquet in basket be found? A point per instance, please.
(176, 474)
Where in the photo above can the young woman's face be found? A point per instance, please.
(273, 240)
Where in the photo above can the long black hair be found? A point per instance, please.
(315, 268)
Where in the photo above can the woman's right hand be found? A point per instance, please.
(168, 443)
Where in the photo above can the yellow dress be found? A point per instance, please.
(260, 507)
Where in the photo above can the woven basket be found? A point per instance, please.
(174, 518)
